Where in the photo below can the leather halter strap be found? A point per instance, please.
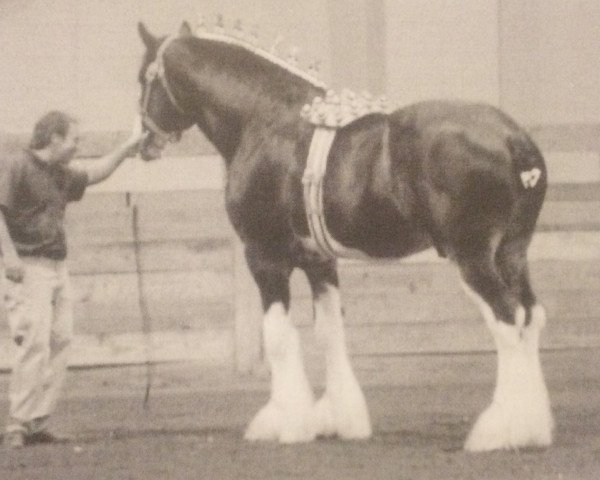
(156, 71)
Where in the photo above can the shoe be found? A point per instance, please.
(14, 439)
(44, 436)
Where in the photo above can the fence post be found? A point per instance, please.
(247, 313)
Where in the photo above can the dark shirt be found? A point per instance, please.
(33, 198)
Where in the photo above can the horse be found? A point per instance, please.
(462, 178)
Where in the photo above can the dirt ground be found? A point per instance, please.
(421, 406)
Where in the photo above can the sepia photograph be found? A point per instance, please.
(300, 239)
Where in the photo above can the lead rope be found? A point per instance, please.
(146, 319)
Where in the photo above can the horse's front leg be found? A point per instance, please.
(342, 409)
(289, 415)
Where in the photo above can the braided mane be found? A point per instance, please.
(252, 47)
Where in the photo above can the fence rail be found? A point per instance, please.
(202, 304)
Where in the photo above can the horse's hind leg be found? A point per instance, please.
(342, 409)
(519, 414)
(289, 414)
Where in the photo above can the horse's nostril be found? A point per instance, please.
(150, 152)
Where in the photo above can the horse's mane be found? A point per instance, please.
(249, 79)
(260, 52)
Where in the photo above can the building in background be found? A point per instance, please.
(536, 59)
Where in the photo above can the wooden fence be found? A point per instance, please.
(159, 275)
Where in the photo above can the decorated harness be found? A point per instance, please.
(329, 114)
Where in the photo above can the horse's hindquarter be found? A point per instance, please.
(464, 161)
(397, 184)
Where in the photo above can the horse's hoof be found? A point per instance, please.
(498, 429)
(273, 423)
(265, 425)
(324, 418)
(349, 423)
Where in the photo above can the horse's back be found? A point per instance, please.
(474, 131)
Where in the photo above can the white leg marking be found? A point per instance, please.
(342, 410)
(289, 414)
(520, 414)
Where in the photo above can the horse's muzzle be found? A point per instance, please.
(149, 149)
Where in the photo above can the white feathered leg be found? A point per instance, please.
(519, 415)
(289, 414)
(342, 410)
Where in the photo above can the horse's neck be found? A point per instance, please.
(224, 129)
(229, 103)
(226, 121)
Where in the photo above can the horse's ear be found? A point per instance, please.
(185, 30)
(149, 40)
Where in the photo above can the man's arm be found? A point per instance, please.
(101, 169)
(13, 266)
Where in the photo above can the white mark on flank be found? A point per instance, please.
(531, 177)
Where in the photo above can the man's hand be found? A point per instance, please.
(101, 169)
(14, 268)
(137, 135)
(137, 129)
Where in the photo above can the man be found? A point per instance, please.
(35, 188)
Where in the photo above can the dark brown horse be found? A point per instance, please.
(462, 178)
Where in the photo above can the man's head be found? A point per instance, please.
(55, 136)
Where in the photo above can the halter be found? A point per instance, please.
(156, 70)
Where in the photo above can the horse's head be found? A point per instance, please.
(163, 116)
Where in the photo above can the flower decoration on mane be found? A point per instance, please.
(338, 110)
(249, 41)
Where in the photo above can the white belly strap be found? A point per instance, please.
(312, 181)
(328, 115)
